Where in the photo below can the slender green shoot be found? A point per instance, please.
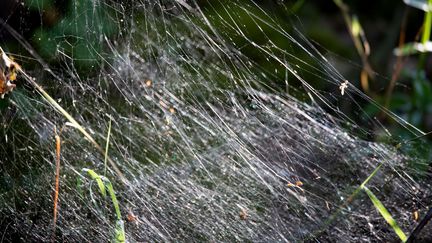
(385, 213)
(114, 200)
(427, 25)
(105, 185)
(120, 236)
(370, 176)
(107, 146)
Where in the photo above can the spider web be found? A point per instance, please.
(215, 143)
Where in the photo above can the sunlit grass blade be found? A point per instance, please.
(119, 230)
(370, 176)
(385, 213)
(427, 24)
(114, 200)
(98, 180)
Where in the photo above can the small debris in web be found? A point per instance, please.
(343, 86)
(132, 218)
(297, 184)
(8, 74)
(148, 83)
(172, 110)
(416, 215)
(327, 205)
(243, 214)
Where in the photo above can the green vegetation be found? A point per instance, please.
(105, 185)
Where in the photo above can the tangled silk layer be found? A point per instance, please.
(213, 143)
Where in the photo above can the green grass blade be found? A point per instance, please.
(98, 179)
(385, 213)
(106, 185)
(113, 198)
(120, 236)
(370, 176)
(347, 201)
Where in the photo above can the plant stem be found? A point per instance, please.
(57, 184)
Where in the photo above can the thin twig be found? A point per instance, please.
(57, 183)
